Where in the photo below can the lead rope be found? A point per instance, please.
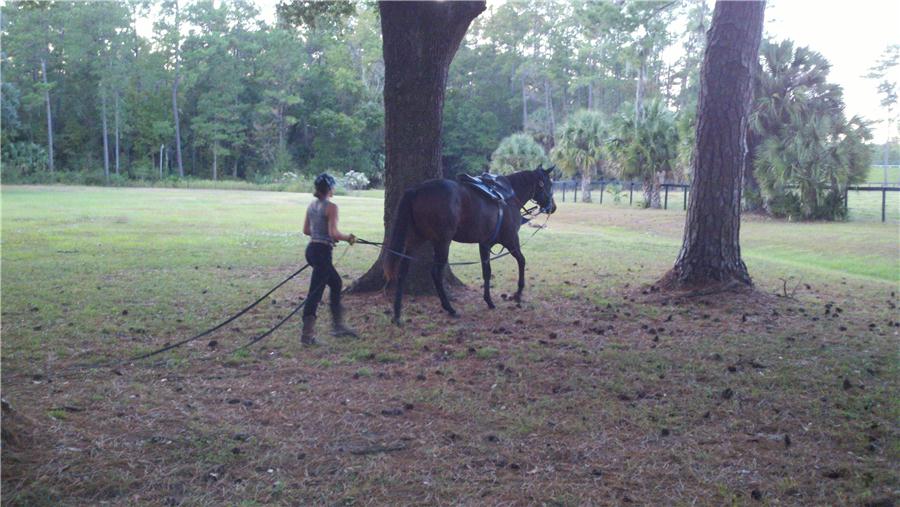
(280, 323)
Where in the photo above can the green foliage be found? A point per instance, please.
(580, 144)
(643, 148)
(23, 161)
(808, 152)
(518, 152)
(311, 12)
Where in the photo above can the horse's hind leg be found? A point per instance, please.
(441, 254)
(485, 252)
(398, 294)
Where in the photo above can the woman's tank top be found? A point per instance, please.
(318, 222)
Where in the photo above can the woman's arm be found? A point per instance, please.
(332, 214)
(306, 229)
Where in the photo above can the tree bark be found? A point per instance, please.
(711, 253)
(524, 105)
(215, 171)
(117, 133)
(49, 113)
(586, 185)
(175, 93)
(419, 42)
(548, 103)
(105, 135)
(639, 89)
(651, 192)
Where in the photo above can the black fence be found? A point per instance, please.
(569, 189)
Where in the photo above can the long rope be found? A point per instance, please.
(280, 323)
(221, 324)
(262, 336)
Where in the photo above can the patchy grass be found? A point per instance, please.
(591, 392)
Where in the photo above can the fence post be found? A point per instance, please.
(564, 192)
(601, 191)
(684, 205)
(666, 200)
(883, 203)
(630, 192)
(575, 192)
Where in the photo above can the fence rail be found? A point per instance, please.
(571, 188)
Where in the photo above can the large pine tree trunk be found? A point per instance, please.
(419, 41)
(49, 114)
(711, 252)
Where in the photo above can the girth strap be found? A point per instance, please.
(494, 236)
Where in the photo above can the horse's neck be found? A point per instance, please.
(522, 186)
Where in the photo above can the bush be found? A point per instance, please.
(355, 180)
(518, 152)
(23, 161)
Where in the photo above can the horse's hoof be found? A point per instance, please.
(395, 321)
(452, 313)
(491, 305)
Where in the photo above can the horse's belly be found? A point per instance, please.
(468, 236)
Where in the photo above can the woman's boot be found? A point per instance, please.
(338, 328)
(308, 336)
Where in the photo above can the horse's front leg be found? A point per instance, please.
(520, 260)
(441, 254)
(485, 251)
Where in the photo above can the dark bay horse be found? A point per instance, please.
(441, 211)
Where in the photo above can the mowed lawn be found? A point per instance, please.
(596, 390)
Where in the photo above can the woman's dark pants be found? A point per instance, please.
(318, 255)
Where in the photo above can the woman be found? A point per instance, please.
(321, 226)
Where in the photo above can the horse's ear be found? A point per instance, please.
(540, 167)
(549, 169)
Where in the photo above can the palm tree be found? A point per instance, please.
(804, 150)
(517, 152)
(646, 149)
(579, 147)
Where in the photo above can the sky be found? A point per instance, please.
(850, 34)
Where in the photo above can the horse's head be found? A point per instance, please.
(543, 191)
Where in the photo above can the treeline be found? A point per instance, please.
(253, 100)
(216, 91)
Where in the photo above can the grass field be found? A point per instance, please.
(876, 175)
(598, 390)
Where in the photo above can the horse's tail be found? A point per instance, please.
(397, 241)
